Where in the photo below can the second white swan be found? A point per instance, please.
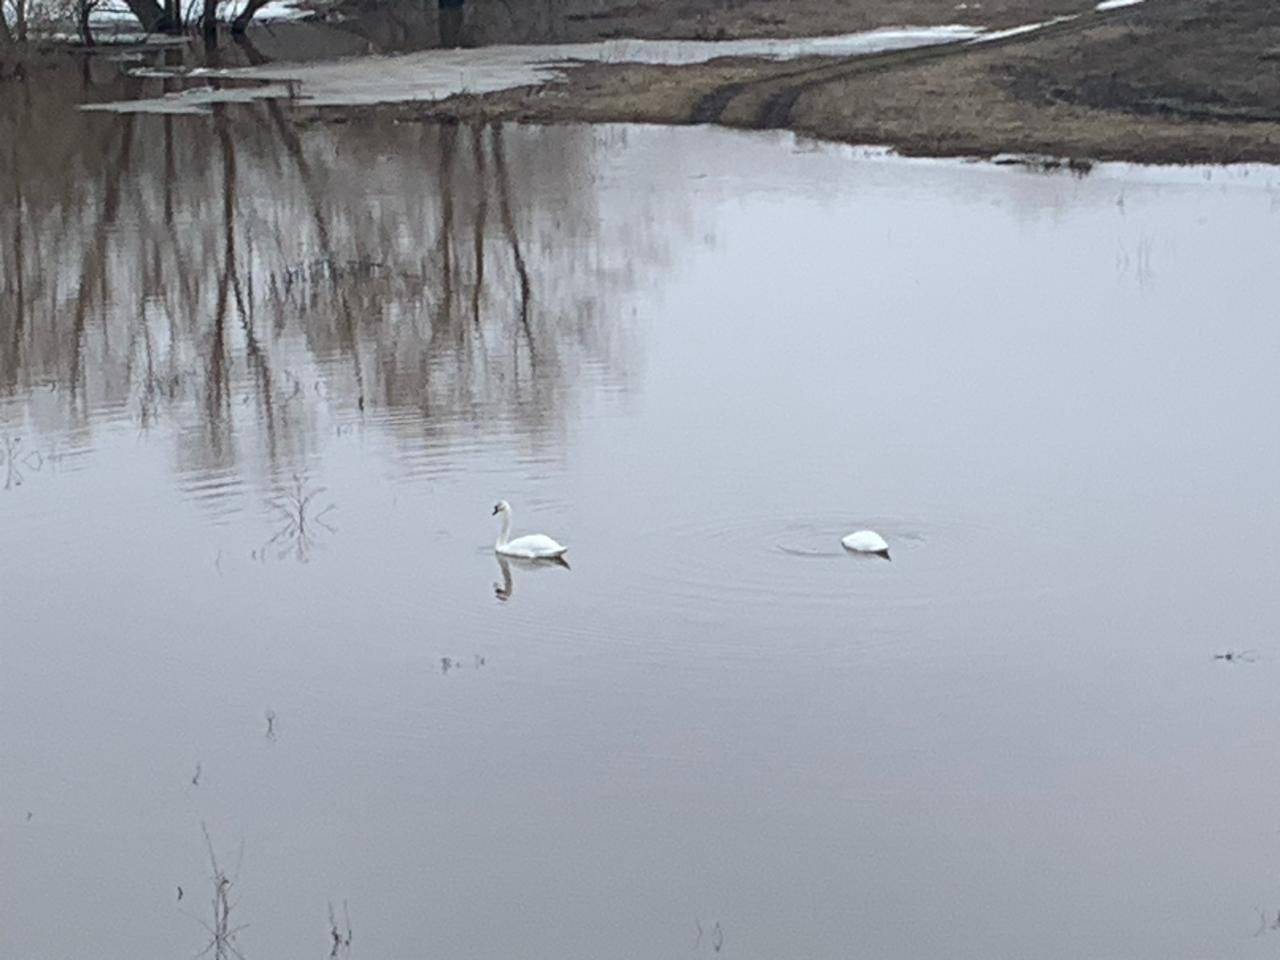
(866, 541)
(532, 546)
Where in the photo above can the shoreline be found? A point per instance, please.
(1151, 83)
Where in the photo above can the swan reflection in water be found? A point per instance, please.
(504, 589)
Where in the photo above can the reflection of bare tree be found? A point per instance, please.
(15, 286)
(509, 227)
(301, 523)
(217, 395)
(241, 278)
(481, 222)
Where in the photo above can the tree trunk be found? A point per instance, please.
(84, 8)
(252, 55)
(6, 36)
(209, 19)
(243, 18)
(450, 16)
(151, 16)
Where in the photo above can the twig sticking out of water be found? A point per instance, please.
(1232, 656)
(222, 935)
(452, 663)
(271, 725)
(341, 936)
(717, 935)
(1265, 923)
(14, 461)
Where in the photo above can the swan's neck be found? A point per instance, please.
(505, 535)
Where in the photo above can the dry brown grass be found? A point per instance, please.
(1162, 87)
(1171, 81)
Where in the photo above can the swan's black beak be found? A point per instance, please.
(496, 511)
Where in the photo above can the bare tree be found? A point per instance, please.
(20, 20)
(152, 17)
(245, 16)
(84, 9)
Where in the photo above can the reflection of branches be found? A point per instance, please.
(293, 147)
(509, 225)
(222, 935)
(14, 461)
(298, 533)
(448, 141)
(176, 268)
(19, 271)
(93, 272)
(482, 215)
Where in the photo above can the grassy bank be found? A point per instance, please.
(1164, 81)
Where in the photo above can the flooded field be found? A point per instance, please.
(261, 386)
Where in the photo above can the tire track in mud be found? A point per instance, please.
(773, 107)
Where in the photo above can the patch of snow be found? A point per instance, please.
(437, 74)
(1116, 4)
(1024, 28)
(158, 73)
(195, 100)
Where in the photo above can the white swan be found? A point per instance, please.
(533, 546)
(866, 541)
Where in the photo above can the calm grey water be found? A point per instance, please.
(698, 358)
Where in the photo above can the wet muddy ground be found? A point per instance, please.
(1164, 82)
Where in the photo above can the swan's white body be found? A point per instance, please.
(533, 546)
(866, 541)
